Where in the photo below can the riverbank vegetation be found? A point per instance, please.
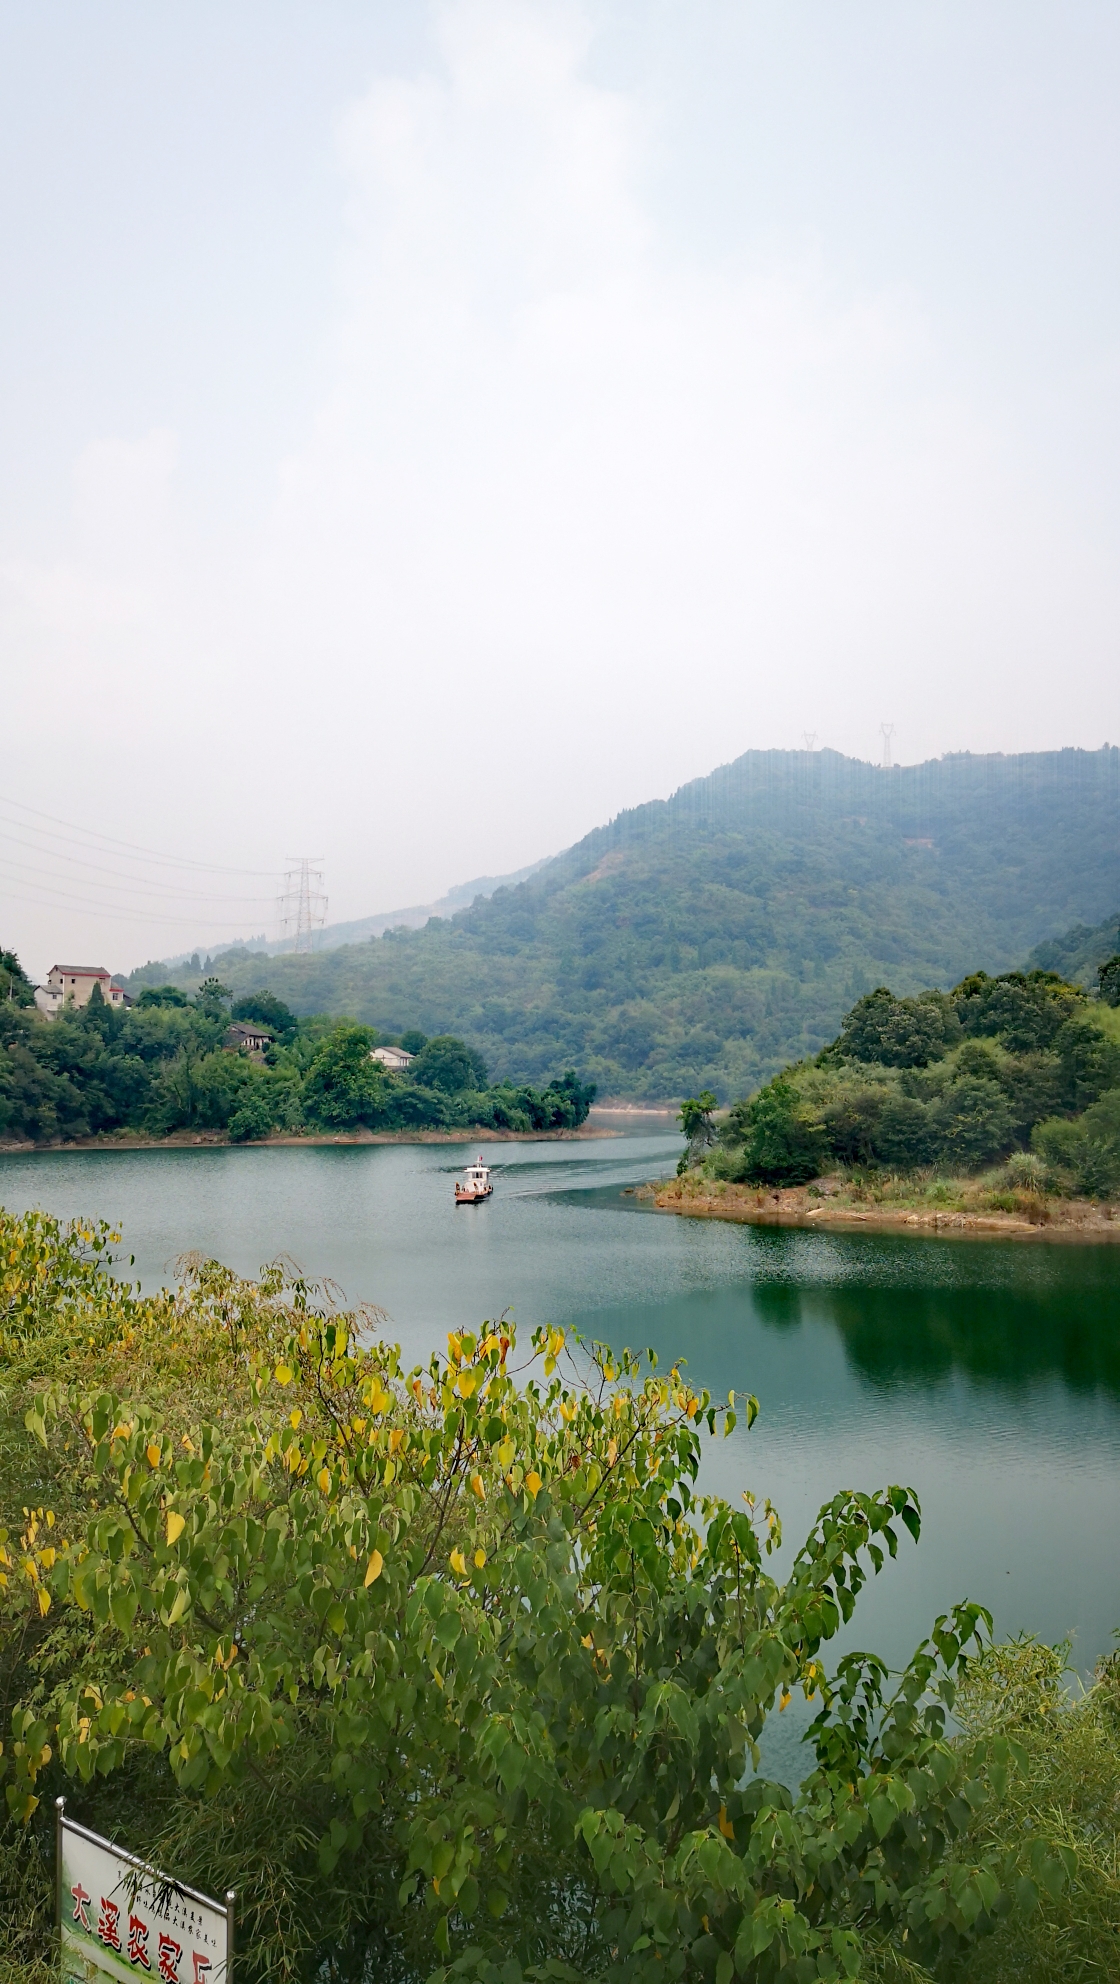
(997, 1094)
(453, 1673)
(166, 1064)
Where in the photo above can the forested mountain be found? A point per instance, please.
(708, 939)
(1078, 954)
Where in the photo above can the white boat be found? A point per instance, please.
(477, 1186)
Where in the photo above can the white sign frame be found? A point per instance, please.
(119, 1917)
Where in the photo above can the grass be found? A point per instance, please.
(1068, 1789)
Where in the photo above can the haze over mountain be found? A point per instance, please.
(709, 938)
(413, 917)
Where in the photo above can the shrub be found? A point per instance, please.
(254, 1116)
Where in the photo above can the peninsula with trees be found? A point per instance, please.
(996, 1104)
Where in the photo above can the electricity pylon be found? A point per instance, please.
(303, 904)
(888, 732)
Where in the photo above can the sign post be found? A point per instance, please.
(118, 1917)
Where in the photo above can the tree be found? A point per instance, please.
(344, 1087)
(211, 998)
(449, 1064)
(16, 988)
(974, 1122)
(898, 1033)
(254, 1116)
(695, 1120)
(1025, 1010)
(269, 1011)
(782, 1143)
(1108, 978)
(162, 995)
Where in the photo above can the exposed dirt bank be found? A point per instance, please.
(798, 1205)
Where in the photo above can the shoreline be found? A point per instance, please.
(218, 1140)
(1064, 1220)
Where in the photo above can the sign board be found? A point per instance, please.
(120, 1918)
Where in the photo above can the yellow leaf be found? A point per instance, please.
(283, 1374)
(295, 1418)
(153, 1454)
(466, 1383)
(725, 1825)
(458, 1563)
(587, 1640)
(479, 1559)
(784, 1701)
(176, 1524)
(373, 1569)
(324, 1479)
(533, 1482)
(479, 1486)
(396, 1440)
(44, 1600)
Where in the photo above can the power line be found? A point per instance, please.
(110, 912)
(87, 836)
(137, 885)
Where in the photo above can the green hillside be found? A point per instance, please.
(1079, 953)
(708, 939)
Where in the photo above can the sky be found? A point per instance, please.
(426, 429)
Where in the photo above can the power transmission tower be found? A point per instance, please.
(303, 906)
(888, 732)
(809, 738)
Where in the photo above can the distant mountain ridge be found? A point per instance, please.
(333, 934)
(709, 938)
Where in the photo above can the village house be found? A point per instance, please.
(393, 1058)
(72, 985)
(245, 1036)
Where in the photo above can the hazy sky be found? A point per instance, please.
(428, 429)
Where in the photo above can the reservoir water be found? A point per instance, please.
(984, 1374)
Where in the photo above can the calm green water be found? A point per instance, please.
(986, 1375)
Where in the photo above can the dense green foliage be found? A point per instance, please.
(1017, 1063)
(704, 941)
(454, 1671)
(163, 1066)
